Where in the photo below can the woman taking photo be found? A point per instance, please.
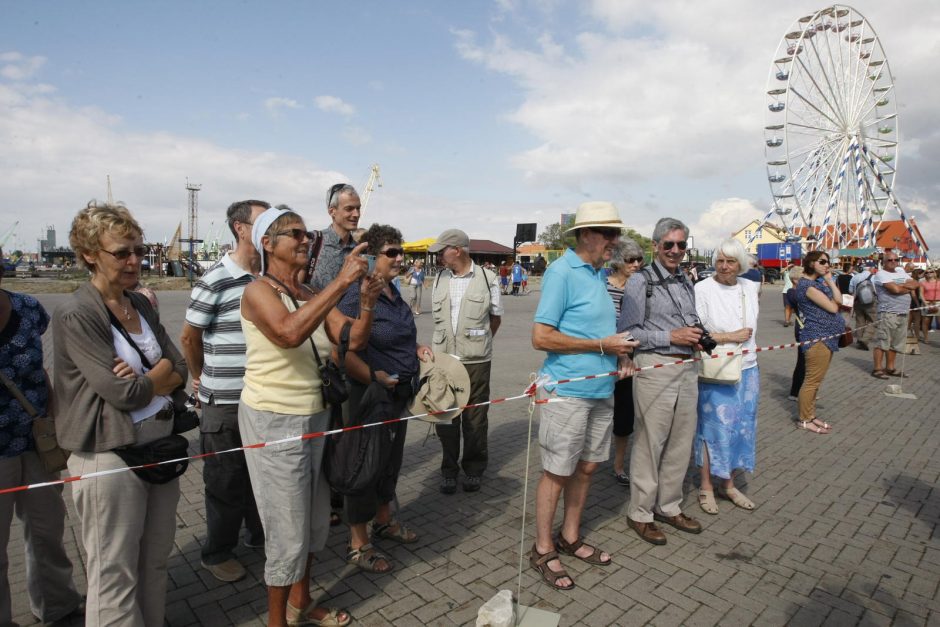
(107, 400)
(391, 358)
(725, 439)
(286, 326)
(818, 299)
(627, 259)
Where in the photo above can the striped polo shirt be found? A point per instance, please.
(215, 307)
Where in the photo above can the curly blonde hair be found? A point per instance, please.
(97, 218)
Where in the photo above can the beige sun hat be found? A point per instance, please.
(443, 384)
(599, 213)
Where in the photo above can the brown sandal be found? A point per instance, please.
(569, 548)
(366, 558)
(540, 563)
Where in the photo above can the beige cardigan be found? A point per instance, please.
(93, 403)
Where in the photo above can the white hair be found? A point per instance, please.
(733, 249)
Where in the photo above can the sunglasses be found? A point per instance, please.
(890, 260)
(824, 262)
(606, 233)
(333, 189)
(298, 234)
(391, 253)
(634, 260)
(680, 245)
(124, 254)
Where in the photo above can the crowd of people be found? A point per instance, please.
(290, 314)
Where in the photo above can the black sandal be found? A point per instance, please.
(895, 373)
(540, 563)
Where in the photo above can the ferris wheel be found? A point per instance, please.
(831, 130)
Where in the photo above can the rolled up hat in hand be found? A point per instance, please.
(442, 384)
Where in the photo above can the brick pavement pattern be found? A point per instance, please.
(843, 534)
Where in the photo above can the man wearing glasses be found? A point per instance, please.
(658, 308)
(343, 205)
(467, 313)
(893, 288)
(575, 325)
(214, 347)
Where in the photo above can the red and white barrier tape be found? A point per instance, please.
(529, 393)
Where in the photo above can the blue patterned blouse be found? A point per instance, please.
(21, 362)
(817, 322)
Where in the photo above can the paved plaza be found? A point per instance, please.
(843, 534)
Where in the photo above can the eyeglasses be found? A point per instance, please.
(391, 253)
(891, 259)
(606, 233)
(298, 234)
(680, 245)
(824, 262)
(333, 189)
(634, 260)
(124, 254)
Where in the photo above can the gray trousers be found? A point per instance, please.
(865, 316)
(128, 528)
(473, 423)
(665, 403)
(52, 593)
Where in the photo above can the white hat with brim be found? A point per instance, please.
(443, 385)
(597, 213)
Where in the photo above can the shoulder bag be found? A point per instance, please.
(724, 370)
(52, 456)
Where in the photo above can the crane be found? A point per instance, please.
(374, 179)
(10, 232)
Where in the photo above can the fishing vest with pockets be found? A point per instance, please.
(473, 341)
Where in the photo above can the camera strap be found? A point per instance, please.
(664, 283)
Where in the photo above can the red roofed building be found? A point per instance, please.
(892, 234)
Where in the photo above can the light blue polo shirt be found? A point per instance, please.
(575, 301)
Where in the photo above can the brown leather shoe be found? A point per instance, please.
(680, 522)
(647, 531)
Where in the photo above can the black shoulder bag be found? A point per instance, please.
(171, 447)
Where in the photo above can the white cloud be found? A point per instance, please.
(276, 105)
(15, 66)
(332, 104)
(723, 218)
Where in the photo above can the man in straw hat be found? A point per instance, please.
(467, 313)
(575, 325)
(658, 308)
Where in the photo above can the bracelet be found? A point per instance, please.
(600, 343)
(364, 308)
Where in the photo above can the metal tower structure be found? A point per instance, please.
(193, 239)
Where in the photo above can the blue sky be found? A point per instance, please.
(481, 115)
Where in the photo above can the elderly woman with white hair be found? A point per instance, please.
(727, 412)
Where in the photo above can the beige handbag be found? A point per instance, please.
(724, 370)
(52, 456)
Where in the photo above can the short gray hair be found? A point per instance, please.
(665, 225)
(733, 249)
(336, 191)
(626, 249)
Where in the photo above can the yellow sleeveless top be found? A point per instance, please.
(283, 380)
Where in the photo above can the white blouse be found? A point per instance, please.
(149, 346)
(722, 310)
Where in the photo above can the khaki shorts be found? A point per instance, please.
(577, 429)
(892, 332)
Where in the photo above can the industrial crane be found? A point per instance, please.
(374, 179)
(8, 234)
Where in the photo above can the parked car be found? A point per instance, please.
(706, 272)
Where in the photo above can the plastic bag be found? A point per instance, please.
(498, 611)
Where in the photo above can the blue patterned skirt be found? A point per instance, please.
(727, 423)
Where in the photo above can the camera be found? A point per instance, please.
(707, 342)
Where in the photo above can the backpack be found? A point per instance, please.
(865, 292)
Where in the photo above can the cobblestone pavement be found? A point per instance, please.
(843, 534)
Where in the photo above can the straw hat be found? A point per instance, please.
(601, 214)
(443, 384)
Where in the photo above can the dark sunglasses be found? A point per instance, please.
(634, 260)
(824, 262)
(887, 259)
(680, 245)
(333, 189)
(124, 254)
(298, 234)
(606, 233)
(391, 253)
